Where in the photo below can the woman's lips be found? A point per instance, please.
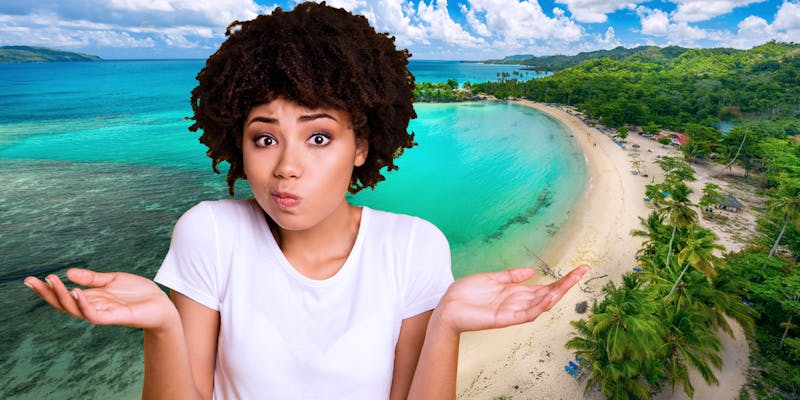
(285, 200)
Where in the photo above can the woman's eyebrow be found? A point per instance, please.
(302, 118)
(263, 119)
(311, 117)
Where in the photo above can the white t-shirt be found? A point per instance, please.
(285, 336)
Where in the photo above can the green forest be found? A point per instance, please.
(559, 62)
(739, 107)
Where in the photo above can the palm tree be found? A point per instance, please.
(689, 342)
(621, 341)
(698, 252)
(654, 230)
(787, 205)
(725, 299)
(735, 156)
(678, 212)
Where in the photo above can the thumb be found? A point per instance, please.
(90, 278)
(515, 275)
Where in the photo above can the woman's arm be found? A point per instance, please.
(171, 370)
(477, 302)
(406, 354)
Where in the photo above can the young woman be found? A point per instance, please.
(296, 293)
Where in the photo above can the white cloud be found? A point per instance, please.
(596, 10)
(47, 29)
(752, 32)
(608, 40)
(395, 17)
(514, 20)
(755, 30)
(473, 21)
(788, 16)
(655, 22)
(439, 25)
(80, 24)
(703, 10)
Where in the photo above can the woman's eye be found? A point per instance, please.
(319, 139)
(265, 141)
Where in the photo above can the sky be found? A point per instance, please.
(430, 29)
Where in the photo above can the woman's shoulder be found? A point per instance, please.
(394, 224)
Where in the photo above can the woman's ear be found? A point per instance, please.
(362, 149)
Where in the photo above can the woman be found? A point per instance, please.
(296, 293)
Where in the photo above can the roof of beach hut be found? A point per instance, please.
(732, 202)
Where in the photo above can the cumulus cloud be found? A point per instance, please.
(596, 10)
(753, 30)
(439, 25)
(656, 22)
(393, 16)
(608, 40)
(703, 10)
(78, 24)
(473, 21)
(788, 19)
(515, 20)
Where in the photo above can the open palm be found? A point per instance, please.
(114, 298)
(500, 299)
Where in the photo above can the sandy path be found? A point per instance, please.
(527, 361)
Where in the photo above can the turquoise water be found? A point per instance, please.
(441, 71)
(97, 164)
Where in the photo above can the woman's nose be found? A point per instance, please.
(290, 162)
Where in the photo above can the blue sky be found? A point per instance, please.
(431, 29)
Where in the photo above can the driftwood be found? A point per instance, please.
(596, 277)
(545, 268)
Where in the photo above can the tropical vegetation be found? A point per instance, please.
(662, 321)
(739, 108)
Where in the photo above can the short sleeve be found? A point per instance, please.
(190, 266)
(428, 273)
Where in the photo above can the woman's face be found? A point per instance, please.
(299, 161)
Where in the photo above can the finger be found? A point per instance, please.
(64, 296)
(90, 310)
(515, 275)
(44, 291)
(561, 286)
(571, 278)
(86, 277)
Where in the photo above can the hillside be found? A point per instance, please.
(560, 62)
(670, 87)
(14, 54)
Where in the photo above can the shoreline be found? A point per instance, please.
(527, 361)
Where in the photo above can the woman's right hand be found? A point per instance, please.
(113, 298)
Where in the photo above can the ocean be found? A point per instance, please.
(97, 164)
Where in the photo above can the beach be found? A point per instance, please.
(527, 361)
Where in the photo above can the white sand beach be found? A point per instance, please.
(527, 361)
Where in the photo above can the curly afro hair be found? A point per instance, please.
(317, 56)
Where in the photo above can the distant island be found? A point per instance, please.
(559, 62)
(16, 54)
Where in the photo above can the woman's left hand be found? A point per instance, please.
(499, 299)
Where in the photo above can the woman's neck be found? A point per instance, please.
(319, 252)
